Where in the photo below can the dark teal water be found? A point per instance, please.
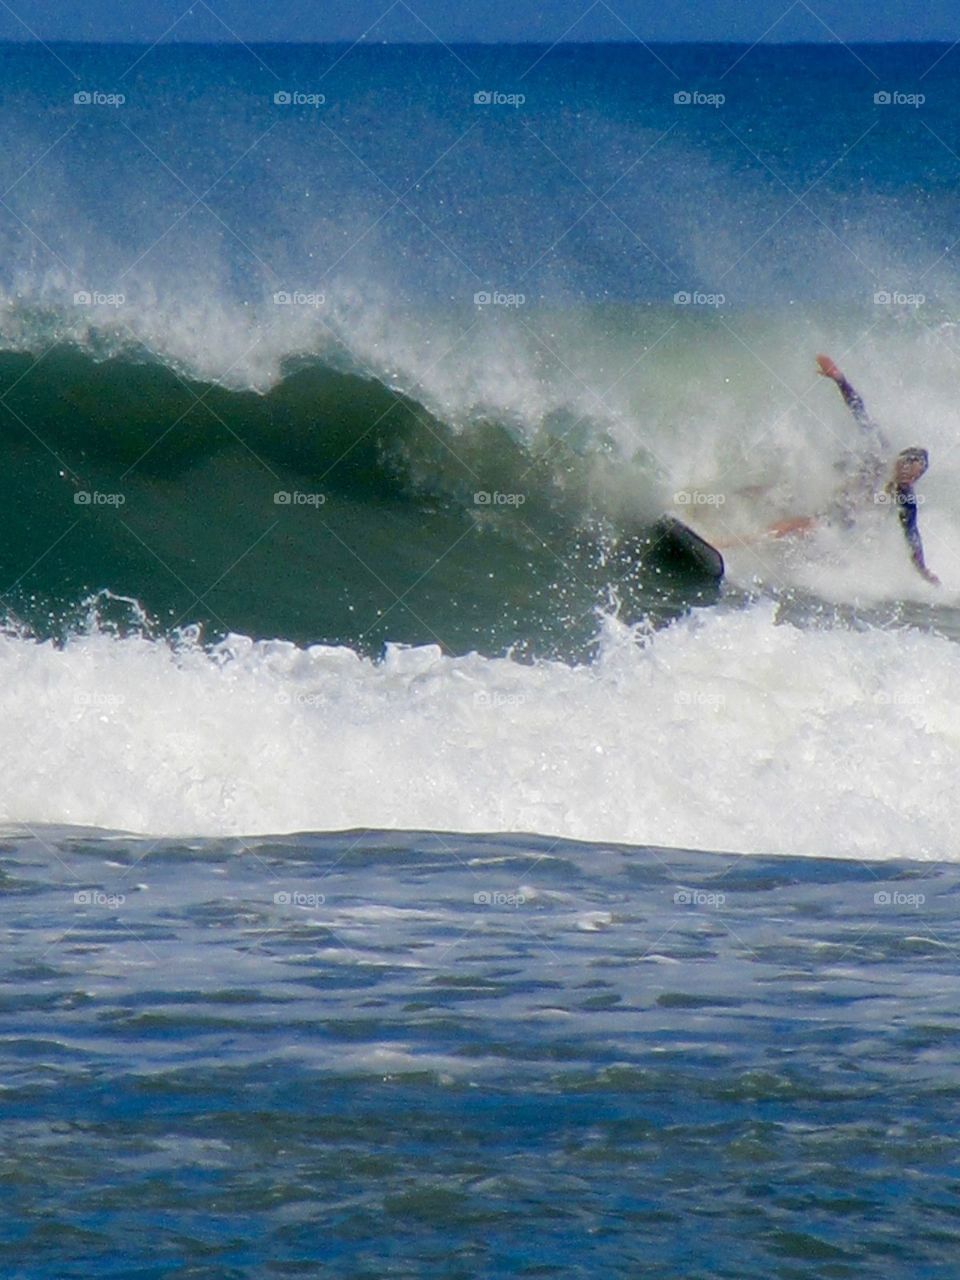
(381, 539)
(375, 1054)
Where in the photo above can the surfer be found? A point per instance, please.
(864, 476)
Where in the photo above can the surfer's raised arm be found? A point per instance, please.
(852, 398)
(907, 470)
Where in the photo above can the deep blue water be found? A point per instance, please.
(323, 1055)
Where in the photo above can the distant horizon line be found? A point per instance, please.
(505, 44)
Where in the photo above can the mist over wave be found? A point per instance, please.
(384, 204)
(527, 512)
(205, 226)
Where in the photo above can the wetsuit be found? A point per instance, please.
(905, 498)
(863, 469)
(866, 476)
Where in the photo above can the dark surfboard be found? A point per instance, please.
(677, 548)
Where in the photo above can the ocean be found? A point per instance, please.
(408, 868)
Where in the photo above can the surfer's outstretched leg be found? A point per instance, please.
(796, 526)
(789, 528)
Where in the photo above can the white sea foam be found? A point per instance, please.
(725, 731)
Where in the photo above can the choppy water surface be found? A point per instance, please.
(376, 1054)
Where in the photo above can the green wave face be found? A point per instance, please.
(330, 509)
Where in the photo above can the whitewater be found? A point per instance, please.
(729, 731)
